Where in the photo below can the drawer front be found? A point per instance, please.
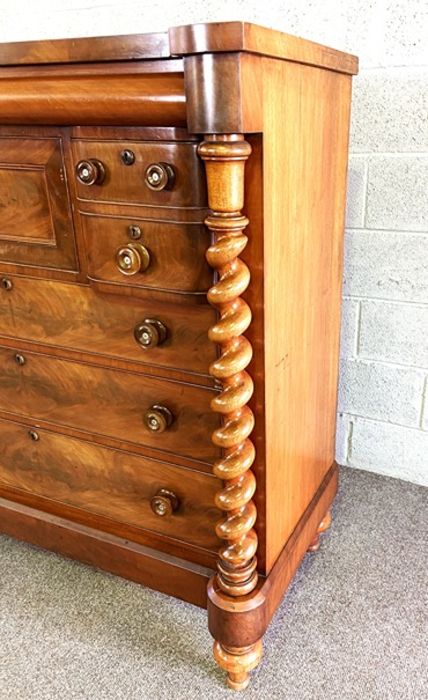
(127, 183)
(109, 483)
(74, 316)
(35, 219)
(108, 402)
(169, 257)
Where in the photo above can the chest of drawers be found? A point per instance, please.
(171, 225)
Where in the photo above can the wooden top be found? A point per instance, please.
(179, 41)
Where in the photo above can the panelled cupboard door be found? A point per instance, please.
(36, 227)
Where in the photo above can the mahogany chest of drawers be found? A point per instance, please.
(171, 219)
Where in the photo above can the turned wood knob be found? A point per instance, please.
(164, 503)
(158, 418)
(132, 259)
(90, 172)
(159, 176)
(150, 333)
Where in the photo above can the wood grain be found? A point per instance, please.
(112, 48)
(35, 219)
(105, 482)
(133, 99)
(136, 562)
(305, 176)
(126, 184)
(107, 402)
(223, 37)
(65, 316)
(177, 254)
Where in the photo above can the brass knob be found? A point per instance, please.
(132, 259)
(20, 359)
(6, 284)
(159, 176)
(158, 418)
(90, 172)
(165, 502)
(150, 333)
(33, 435)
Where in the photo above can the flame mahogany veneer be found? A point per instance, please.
(171, 231)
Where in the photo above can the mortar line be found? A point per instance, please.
(399, 302)
(388, 363)
(387, 230)
(416, 428)
(366, 194)
(392, 154)
(349, 443)
(358, 333)
(423, 403)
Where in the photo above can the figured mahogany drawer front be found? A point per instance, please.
(162, 174)
(77, 317)
(165, 256)
(126, 488)
(35, 219)
(108, 402)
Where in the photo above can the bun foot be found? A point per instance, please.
(322, 527)
(238, 662)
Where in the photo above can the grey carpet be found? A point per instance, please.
(353, 625)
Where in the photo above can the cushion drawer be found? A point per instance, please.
(126, 183)
(35, 217)
(107, 402)
(176, 253)
(105, 482)
(75, 316)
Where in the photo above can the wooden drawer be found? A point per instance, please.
(109, 483)
(107, 402)
(176, 254)
(75, 316)
(126, 183)
(35, 220)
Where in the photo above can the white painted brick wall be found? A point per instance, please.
(383, 423)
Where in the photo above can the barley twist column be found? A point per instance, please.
(224, 158)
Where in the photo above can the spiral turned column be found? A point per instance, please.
(224, 158)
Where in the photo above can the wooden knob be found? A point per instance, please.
(132, 259)
(159, 176)
(150, 333)
(158, 418)
(164, 503)
(90, 172)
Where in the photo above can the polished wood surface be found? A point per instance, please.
(74, 317)
(35, 217)
(237, 576)
(107, 402)
(225, 37)
(303, 233)
(89, 49)
(168, 391)
(322, 527)
(126, 183)
(150, 567)
(256, 610)
(114, 484)
(134, 98)
(176, 261)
